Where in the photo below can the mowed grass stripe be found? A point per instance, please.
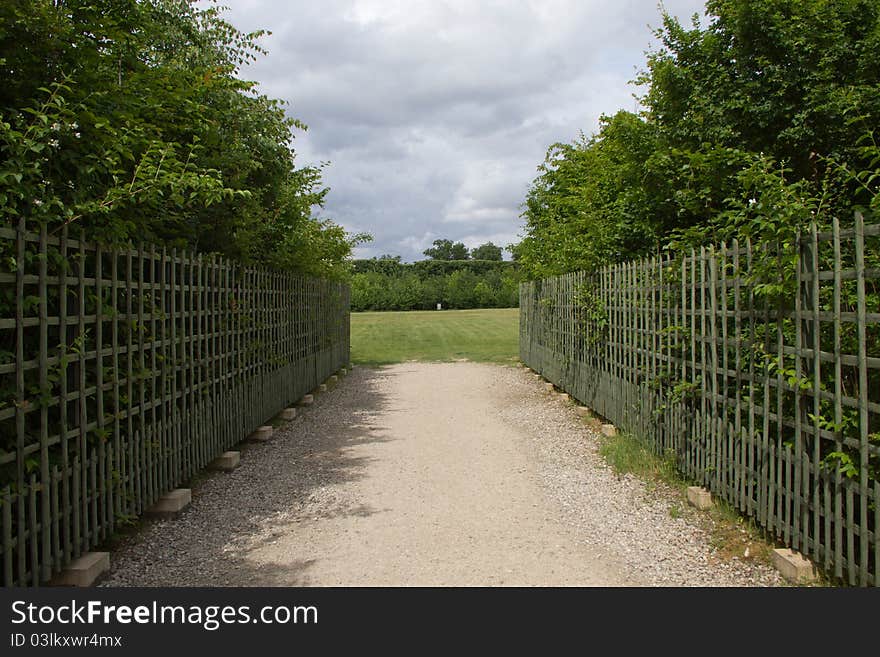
(487, 335)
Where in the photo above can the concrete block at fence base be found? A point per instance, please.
(262, 434)
(307, 400)
(170, 504)
(343, 371)
(583, 411)
(226, 462)
(699, 497)
(288, 414)
(793, 566)
(549, 387)
(564, 396)
(83, 571)
(609, 430)
(321, 388)
(332, 382)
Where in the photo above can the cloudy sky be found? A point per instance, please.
(435, 115)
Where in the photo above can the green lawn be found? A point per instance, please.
(490, 335)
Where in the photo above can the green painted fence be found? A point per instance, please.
(123, 372)
(765, 388)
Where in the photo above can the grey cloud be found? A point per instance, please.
(435, 115)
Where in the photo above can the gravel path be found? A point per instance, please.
(428, 474)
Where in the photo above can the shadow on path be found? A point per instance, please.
(235, 513)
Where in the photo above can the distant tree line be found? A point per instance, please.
(444, 249)
(386, 283)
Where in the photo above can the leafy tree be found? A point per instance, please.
(484, 295)
(127, 119)
(487, 251)
(461, 289)
(592, 201)
(780, 77)
(447, 250)
(756, 123)
(787, 90)
(457, 284)
(459, 252)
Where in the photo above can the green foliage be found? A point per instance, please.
(460, 289)
(768, 76)
(589, 206)
(126, 118)
(755, 124)
(627, 454)
(447, 250)
(388, 284)
(591, 313)
(487, 251)
(427, 268)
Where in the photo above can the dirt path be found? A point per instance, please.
(419, 474)
(448, 497)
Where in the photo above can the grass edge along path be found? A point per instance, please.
(732, 534)
(486, 335)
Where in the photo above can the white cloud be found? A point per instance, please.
(435, 114)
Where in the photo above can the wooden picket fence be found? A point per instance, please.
(123, 372)
(766, 390)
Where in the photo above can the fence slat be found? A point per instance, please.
(102, 522)
(796, 539)
(81, 508)
(45, 571)
(863, 400)
(20, 400)
(817, 493)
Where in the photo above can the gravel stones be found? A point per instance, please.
(307, 474)
(621, 514)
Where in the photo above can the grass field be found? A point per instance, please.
(489, 335)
